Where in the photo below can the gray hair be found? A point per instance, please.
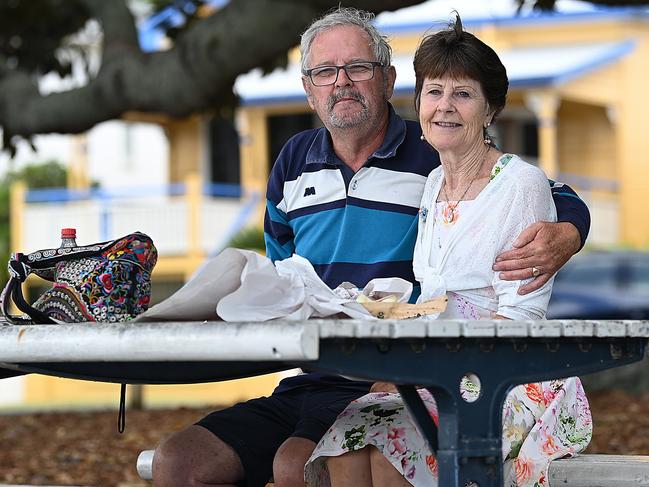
(347, 16)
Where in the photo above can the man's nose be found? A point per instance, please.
(343, 79)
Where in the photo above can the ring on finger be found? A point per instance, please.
(536, 272)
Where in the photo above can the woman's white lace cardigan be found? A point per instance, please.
(517, 196)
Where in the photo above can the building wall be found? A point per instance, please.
(587, 141)
(632, 136)
(185, 147)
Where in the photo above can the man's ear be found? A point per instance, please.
(306, 84)
(390, 74)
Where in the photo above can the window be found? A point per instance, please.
(223, 160)
(283, 127)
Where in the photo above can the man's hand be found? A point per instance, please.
(539, 251)
(383, 387)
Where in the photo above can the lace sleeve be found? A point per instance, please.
(529, 201)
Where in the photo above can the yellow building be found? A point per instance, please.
(576, 106)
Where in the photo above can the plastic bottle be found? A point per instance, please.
(68, 237)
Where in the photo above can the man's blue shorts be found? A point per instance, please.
(255, 429)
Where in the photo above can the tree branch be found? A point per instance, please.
(196, 74)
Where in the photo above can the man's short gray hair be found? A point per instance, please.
(347, 16)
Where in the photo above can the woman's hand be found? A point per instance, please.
(383, 387)
(539, 251)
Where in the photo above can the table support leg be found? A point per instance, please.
(466, 451)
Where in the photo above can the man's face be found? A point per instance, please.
(347, 104)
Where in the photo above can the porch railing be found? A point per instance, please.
(183, 218)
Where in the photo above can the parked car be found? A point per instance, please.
(602, 285)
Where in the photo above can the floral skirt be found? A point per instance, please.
(542, 421)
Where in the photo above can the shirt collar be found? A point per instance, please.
(322, 151)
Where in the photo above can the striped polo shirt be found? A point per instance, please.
(351, 226)
(358, 226)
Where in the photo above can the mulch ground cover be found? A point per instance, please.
(85, 449)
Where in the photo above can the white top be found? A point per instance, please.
(517, 196)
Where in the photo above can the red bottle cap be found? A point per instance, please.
(68, 233)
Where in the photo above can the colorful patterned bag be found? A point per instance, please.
(106, 282)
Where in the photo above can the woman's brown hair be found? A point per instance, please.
(459, 54)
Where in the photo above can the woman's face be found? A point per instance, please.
(453, 113)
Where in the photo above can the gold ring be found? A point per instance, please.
(536, 271)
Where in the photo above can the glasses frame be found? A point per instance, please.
(374, 64)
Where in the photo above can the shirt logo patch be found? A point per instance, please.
(310, 191)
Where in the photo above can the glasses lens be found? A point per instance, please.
(359, 71)
(325, 75)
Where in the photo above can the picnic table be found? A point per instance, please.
(410, 353)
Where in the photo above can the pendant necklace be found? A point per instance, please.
(450, 212)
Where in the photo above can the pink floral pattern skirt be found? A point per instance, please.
(541, 422)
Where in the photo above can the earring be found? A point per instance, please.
(487, 139)
(422, 137)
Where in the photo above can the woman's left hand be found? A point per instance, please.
(539, 251)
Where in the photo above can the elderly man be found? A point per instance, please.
(346, 197)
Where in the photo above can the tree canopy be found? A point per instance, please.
(196, 74)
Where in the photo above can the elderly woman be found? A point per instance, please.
(473, 208)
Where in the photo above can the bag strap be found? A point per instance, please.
(43, 259)
(121, 413)
(13, 291)
(5, 300)
(22, 304)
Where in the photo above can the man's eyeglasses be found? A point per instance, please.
(328, 75)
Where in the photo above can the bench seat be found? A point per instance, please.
(580, 471)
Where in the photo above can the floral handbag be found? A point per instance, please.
(105, 282)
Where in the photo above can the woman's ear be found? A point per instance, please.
(490, 116)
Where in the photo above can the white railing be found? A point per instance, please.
(168, 218)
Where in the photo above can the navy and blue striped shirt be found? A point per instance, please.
(358, 226)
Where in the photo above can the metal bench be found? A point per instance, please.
(580, 471)
(434, 353)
